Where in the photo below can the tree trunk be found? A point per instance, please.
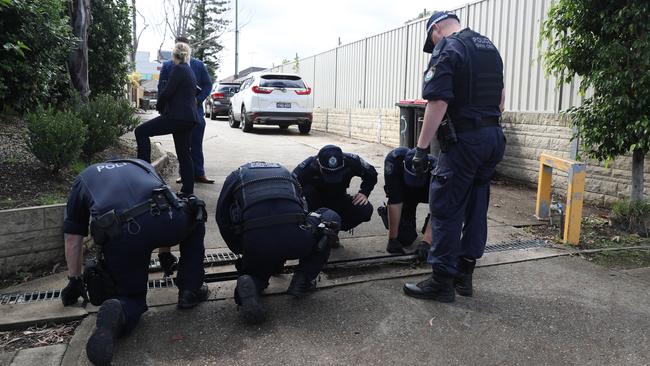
(134, 46)
(636, 190)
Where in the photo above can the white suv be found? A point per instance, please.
(272, 99)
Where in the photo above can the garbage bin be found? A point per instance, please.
(411, 116)
(406, 123)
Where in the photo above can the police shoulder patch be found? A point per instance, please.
(430, 73)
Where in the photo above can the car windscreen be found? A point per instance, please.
(228, 89)
(281, 81)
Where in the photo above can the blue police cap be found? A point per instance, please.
(331, 162)
(436, 17)
(411, 178)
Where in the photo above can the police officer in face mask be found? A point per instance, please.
(131, 212)
(262, 215)
(405, 189)
(464, 88)
(325, 179)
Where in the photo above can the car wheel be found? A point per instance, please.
(247, 126)
(231, 120)
(213, 115)
(304, 128)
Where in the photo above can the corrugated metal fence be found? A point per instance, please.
(377, 71)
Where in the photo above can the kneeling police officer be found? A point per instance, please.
(262, 215)
(325, 179)
(405, 189)
(131, 212)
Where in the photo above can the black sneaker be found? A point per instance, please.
(394, 247)
(422, 252)
(248, 299)
(110, 321)
(435, 287)
(188, 299)
(300, 286)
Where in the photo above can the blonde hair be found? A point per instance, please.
(181, 53)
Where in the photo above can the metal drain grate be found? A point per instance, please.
(164, 282)
(210, 259)
(516, 245)
(29, 297)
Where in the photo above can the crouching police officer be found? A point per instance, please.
(132, 211)
(464, 82)
(262, 215)
(405, 189)
(325, 179)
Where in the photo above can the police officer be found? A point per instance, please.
(325, 179)
(464, 88)
(131, 211)
(262, 215)
(405, 189)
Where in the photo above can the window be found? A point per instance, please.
(282, 81)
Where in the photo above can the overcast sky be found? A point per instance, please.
(273, 30)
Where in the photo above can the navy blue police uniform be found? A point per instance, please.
(326, 177)
(121, 186)
(403, 186)
(262, 215)
(466, 71)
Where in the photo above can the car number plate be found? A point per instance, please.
(283, 105)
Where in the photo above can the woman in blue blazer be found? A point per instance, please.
(178, 108)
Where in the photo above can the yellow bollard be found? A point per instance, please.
(575, 193)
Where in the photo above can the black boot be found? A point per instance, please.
(436, 287)
(248, 299)
(188, 299)
(394, 247)
(168, 263)
(463, 280)
(300, 285)
(110, 322)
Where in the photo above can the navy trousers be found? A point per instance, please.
(459, 198)
(407, 231)
(182, 133)
(351, 215)
(265, 250)
(196, 146)
(127, 260)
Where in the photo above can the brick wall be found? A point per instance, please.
(30, 237)
(528, 134)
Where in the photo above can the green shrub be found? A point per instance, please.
(633, 216)
(107, 119)
(55, 137)
(35, 40)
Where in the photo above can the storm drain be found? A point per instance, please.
(210, 259)
(516, 245)
(29, 297)
(229, 257)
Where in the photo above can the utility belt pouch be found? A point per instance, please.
(160, 199)
(106, 227)
(446, 135)
(329, 231)
(99, 283)
(197, 208)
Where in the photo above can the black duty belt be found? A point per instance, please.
(296, 218)
(148, 206)
(464, 125)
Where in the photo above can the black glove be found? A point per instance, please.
(168, 263)
(420, 161)
(75, 288)
(422, 252)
